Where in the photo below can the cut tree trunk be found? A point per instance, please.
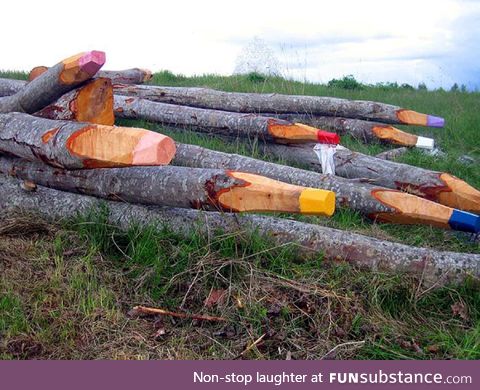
(432, 267)
(279, 104)
(54, 83)
(75, 145)
(209, 189)
(127, 76)
(10, 87)
(220, 122)
(436, 186)
(364, 131)
(91, 103)
(392, 154)
(377, 203)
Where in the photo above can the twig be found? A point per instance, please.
(153, 311)
(256, 342)
(348, 343)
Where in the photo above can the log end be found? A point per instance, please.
(37, 71)
(459, 194)
(94, 103)
(410, 117)
(147, 75)
(317, 202)
(285, 131)
(109, 146)
(154, 149)
(81, 67)
(394, 135)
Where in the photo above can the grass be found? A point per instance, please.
(66, 290)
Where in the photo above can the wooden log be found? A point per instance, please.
(54, 83)
(440, 187)
(75, 145)
(280, 104)
(377, 203)
(220, 122)
(127, 76)
(364, 131)
(91, 103)
(432, 267)
(10, 87)
(392, 154)
(210, 189)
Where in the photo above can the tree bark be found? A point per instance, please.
(392, 154)
(54, 83)
(279, 104)
(210, 189)
(375, 202)
(75, 145)
(436, 186)
(220, 122)
(92, 103)
(432, 267)
(127, 76)
(10, 87)
(364, 131)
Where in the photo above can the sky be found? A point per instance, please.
(407, 41)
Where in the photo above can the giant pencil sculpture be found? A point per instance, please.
(375, 202)
(364, 131)
(276, 103)
(221, 122)
(75, 145)
(214, 189)
(434, 268)
(52, 84)
(436, 186)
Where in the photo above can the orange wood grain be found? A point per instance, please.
(461, 195)
(394, 135)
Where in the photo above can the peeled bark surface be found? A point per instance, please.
(126, 76)
(75, 145)
(277, 103)
(364, 131)
(213, 189)
(91, 103)
(436, 186)
(433, 267)
(217, 122)
(57, 81)
(375, 202)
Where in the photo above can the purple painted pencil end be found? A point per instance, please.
(435, 121)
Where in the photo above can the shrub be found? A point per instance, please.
(347, 82)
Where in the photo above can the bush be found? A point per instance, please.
(348, 82)
(255, 77)
(422, 87)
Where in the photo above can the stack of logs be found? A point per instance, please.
(57, 131)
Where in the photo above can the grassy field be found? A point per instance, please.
(66, 290)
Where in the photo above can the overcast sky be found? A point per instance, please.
(437, 42)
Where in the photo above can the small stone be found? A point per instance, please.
(436, 152)
(466, 160)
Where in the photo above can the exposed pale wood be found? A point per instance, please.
(433, 268)
(220, 122)
(54, 83)
(91, 103)
(74, 145)
(214, 189)
(155, 311)
(357, 195)
(277, 103)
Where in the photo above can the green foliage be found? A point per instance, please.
(255, 77)
(347, 82)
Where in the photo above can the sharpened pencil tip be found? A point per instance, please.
(435, 121)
